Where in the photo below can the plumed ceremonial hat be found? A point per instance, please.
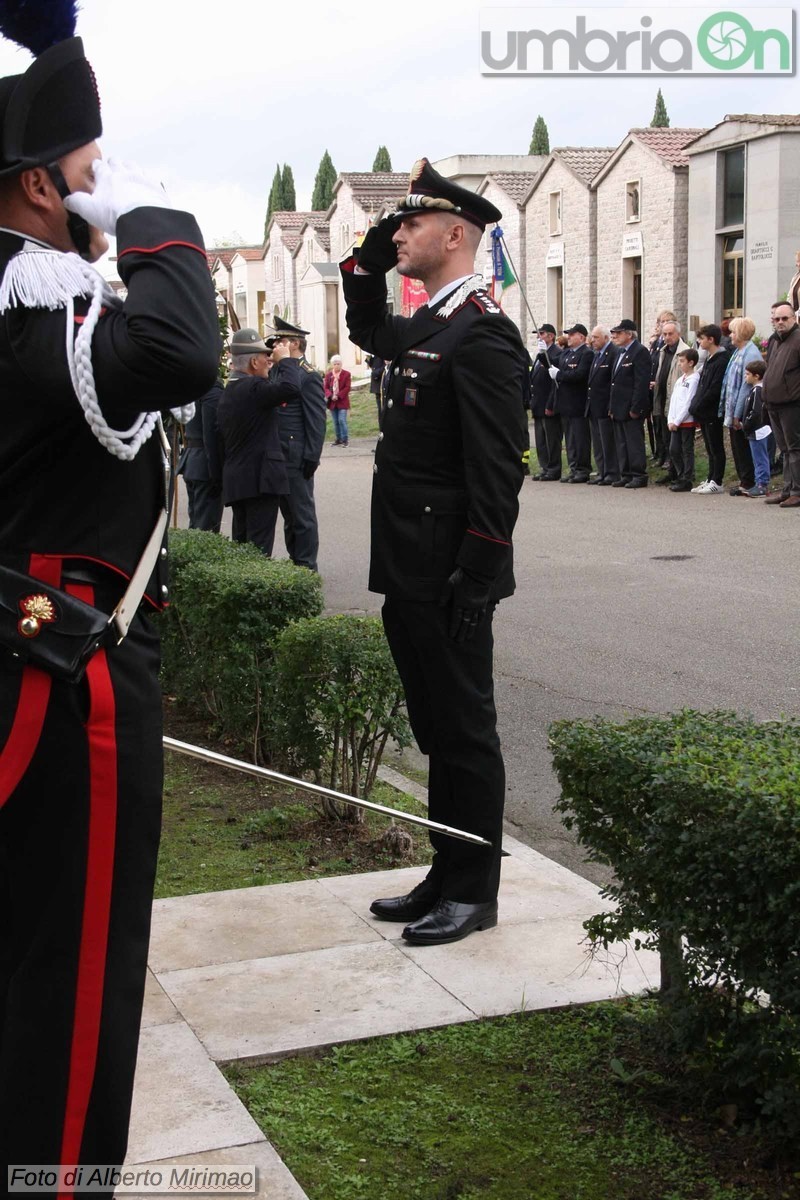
(248, 341)
(428, 191)
(285, 329)
(54, 107)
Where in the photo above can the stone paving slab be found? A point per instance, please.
(158, 1008)
(247, 923)
(182, 1105)
(532, 965)
(270, 1006)
(275, 1180)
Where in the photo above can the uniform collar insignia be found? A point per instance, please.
(460, 297)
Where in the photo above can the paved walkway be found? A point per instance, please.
(258, 973)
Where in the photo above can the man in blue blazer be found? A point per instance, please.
(629, 404)
(598, 398)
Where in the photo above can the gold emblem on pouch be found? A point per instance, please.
(38, 610)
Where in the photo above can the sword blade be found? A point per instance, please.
(316, 789)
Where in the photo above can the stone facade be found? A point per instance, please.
(642, 243)
(247, 293)
(507, 191)
(771, 217)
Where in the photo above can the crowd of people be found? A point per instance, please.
(599, 394)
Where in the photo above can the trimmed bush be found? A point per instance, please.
(340, 701)
(229, 603)
(698, 814)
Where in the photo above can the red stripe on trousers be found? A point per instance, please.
(102, 743)
(34, 693)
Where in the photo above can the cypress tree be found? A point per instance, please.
(540, 139)
(275, 202)
(660, 119)
(323, 184)
(287, 190)
(382, 160)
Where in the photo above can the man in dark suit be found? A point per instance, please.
(598, 393)
(546, 428)
(254, 473)
(571, 378)
(200, 463)
(302, 423)
(629, 404)
(447, 473)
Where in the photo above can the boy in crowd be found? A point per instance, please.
(755, 425)
(680, 423)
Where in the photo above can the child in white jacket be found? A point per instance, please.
(681, 424)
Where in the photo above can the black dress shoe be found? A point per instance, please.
(607, 481)
(597, 480)
(415, 904)
(449, 921)
(579, 479)
(551, 478)
(636, 483)
(620, 483)
(680, 485)
(567, 479)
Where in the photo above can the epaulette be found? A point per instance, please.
(307, 367)
(485, 303)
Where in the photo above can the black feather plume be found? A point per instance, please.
(37, 24)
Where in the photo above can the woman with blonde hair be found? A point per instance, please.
(735, 390)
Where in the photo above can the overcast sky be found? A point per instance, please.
(211, 96)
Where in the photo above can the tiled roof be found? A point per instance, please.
(371, 188)
(224, 256)
(290, 224)
(765, 118)
(667, 143)
(251, 253)
(322, 229)
(585, 161)
(515, 184)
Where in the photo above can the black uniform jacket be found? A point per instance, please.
(201, 460)
(61, 493)
(598, 391)
(542, 386)
(630, 383)
(303, 419)
(448, 466)
(573, 376)
(254, 464)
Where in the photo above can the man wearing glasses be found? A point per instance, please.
(782, 400)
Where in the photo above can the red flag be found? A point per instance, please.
(412, 296)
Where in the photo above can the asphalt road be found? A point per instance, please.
(605, 619)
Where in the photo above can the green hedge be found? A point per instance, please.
(228, 605)
(340, 701)
(698, 814)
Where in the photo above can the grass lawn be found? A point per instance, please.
(225, 830)
(362, 419)
(527, 1107)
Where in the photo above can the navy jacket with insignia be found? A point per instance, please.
(448, 466)
(303, 419)
(253, 460)
(572, 381)
(598, 390)
(630, 382)
(61, 493)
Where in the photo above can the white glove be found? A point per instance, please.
(541, 346)
(553, 372)
(119, 188)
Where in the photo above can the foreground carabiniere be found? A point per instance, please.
(448, 469)
(83, 492)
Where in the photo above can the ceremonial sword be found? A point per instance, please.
(236, 764)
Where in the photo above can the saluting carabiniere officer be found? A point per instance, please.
(448, 469)
(302, 423)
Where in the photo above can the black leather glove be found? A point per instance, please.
(468, 597)
(309, 467)
(378, 253)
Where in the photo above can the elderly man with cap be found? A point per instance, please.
(83, 510)
(254, 475)
(571, 377)
(629, 403)
(546, 425)
(302, 424)
(448, 469)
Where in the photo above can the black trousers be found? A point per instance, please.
(450, 694)
(605, 449)
(254, 521)
(205, 504)
(715, 447)
(547, 434)
(740, 449)
(661, 436)
(785, 422)
(579, 446)
(681, 454)
(631, 453)
(80, 810)
(300, 530)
